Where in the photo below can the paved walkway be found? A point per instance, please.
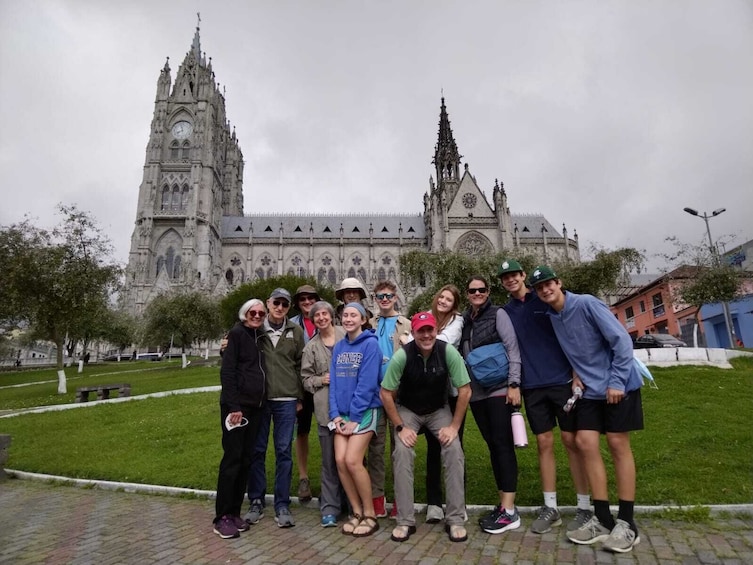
(44, 523)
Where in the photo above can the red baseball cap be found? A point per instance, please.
(421, 320)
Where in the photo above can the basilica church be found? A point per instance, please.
(191, 231)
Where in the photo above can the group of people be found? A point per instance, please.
(365, 377)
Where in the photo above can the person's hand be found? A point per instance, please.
(614, 396)
(407, 436)
(577, 383)
(347, 428)
(223, 343)
(235, 418)
(325, 378)
(298, 406)
(447, 435)
(513, 396)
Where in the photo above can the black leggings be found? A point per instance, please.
(493, 418)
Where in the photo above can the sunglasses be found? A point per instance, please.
(307, 298)
(482, 290)
(255, 314)
(385, 296)
(283, 303)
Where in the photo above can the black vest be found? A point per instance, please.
(481, 330)
(424, 386)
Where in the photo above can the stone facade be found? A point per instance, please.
(191, 233)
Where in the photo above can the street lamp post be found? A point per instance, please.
(718, 262)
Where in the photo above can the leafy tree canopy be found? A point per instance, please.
(181, 319)
(262, 288)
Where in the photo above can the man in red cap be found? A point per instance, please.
(414, 394)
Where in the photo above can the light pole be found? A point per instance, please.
(717, 261)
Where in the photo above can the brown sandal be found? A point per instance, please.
(349, 527)
(368, 522)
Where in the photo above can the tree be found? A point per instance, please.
(55, 280)
(119, 329)
(261, 289)
(182, 319)
(431, 271)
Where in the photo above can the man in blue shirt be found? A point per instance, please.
(547, 384)
(601, 353)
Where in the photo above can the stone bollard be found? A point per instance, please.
(4, 445)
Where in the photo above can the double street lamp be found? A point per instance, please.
(717, 262)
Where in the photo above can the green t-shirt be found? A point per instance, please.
(455, 367)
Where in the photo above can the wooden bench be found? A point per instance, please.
(103, 391)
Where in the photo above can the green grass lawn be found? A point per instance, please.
(696, 448)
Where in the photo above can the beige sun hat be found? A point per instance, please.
(350, 283)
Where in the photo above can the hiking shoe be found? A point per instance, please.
(284, 518)
(255, 513)
(622, 538)
(225, 528)
(503, 523)
(434, 514)
(379, 509)
(490, 517)
(547, 518)
(329, 521)
(581, 517)
(240, 523)
(590, 532)
(304, 490)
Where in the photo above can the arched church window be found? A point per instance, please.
(229, 277)
(186, 151)
(321, 275)
(176, 267)
(165, 198)
(332, 276)
(184, 198)
(382, 275)
(259, 273)
(351, 273)
(174, 151)
(176, 198)
(362, 274)
(169, 260)
(160, 264)
(392, 275)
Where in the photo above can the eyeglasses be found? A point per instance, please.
(283, 303)
(385, 296)
(255, 314)
(482, 290)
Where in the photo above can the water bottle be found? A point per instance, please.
(519, 434)
(577, 394)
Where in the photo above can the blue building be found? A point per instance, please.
(741, 311)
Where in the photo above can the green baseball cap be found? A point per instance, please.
(541, 274)
(509, 266)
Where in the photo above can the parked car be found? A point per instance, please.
(658, 340)
(114, 357)
(149, 356)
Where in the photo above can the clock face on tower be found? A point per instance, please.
(181, 130)
(469, 200)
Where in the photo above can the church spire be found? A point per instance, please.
(196, 45)
(446, 155)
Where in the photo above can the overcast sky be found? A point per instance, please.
(608, 116)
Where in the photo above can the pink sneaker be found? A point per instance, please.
(393, 512)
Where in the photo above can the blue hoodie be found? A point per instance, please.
(597, 346)
(354, 377)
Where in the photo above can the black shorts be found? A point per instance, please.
(544, 408)
(303, 418)
(625, 416)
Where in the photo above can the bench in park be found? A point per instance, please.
(103, 391)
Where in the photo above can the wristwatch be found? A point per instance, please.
(398, 429)
(514, 385)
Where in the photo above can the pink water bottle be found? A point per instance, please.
(519, 434)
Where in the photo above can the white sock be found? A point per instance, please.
(550, 499)
(584, 502)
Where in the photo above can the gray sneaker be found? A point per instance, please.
(581, 517)
(255, 513)
(547, 518)
(622, 539)
(284, 518)
(590, 532)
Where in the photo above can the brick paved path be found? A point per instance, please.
(42, 523)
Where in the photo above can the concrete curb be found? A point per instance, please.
(138, 488)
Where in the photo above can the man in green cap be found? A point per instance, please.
(548, 382)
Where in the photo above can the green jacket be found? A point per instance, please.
(283, 362)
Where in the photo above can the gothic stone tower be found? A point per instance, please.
(193, 176)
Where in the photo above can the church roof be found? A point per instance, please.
(529, 225)
(267, 226)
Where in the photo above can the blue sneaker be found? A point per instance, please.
(503, 523)
(329, 521)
